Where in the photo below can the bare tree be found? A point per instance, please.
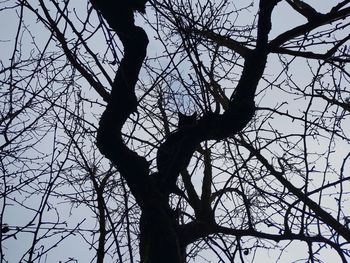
(222, 130)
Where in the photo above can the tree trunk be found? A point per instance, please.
(158, 238)
(161, 239)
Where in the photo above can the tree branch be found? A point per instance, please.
(319, 212)
(309, 26)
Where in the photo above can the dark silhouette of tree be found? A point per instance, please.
(195, 161)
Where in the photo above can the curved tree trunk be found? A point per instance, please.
(158, 239)
(161, 239)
